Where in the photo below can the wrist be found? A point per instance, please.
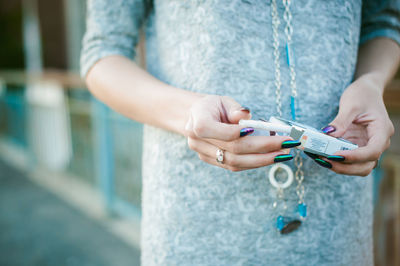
(181, 110)
(374, 81)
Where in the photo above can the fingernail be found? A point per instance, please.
(336, 158)
(290, 144)
(328, 129)
(311, 155)
(283, 157)
(323, 163)
(245, 109)
(246, 131)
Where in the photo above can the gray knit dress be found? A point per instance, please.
(198, 214)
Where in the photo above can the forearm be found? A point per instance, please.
(131, 91)
(379, 59)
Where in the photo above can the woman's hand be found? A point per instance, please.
(213, 125)
(363, 120)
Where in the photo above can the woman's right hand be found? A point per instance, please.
(213, 124)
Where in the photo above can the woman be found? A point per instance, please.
(206, 60)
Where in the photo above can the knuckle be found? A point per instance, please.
(230, 146)
(232, 136)
(375, 155)
(235, 147)
(391, 128)
(192, 144)
(189, 134)
(365, 172)
(234, 169)
(201, 157)
(387, 144)
(339, 171)
(199, 128)
(231, 161)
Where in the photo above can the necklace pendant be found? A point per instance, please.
(286, 225)
(290, 55)
(273, 178)
(302, 209)
(293, 107)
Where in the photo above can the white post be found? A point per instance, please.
(48, 120)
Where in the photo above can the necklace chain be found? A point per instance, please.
(287, 16)
(278, 84)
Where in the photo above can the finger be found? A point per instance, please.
(256, 144)
(239, 161)
(371, 152)
(221, 123)
(212, 129)
(311, 155)
(234, 110)
(230, 165)
(356, 169)
(342, 121)
(212, 161)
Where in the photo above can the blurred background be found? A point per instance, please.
(70, 168)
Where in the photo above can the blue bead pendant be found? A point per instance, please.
(290, 55)
(293, 107)
(302, 208)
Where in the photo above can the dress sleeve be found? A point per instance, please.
(380, 18)
(112, 28)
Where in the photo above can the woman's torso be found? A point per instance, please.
(195, 213)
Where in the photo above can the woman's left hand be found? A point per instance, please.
(363, 120)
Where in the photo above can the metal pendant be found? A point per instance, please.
(286, 225)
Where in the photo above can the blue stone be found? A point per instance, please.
(293, 107)
(290, 227)
(280, 223)
(289, 55)
(286, 225)
(302, 210)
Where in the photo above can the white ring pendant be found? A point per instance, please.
(272, 176)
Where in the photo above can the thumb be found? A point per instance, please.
(342, 121)
(235, 112)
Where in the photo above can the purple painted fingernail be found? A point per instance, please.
(245, 109)
(328, 129)
(246, 131)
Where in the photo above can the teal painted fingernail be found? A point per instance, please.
(290, 144)
(283, 157)
(323, 163)
(336, 158)
(311, 155)
(246, 131)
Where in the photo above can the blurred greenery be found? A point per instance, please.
(11, 52)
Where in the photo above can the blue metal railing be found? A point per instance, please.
(13, 115)
(105, 124)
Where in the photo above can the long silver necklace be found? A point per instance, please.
(287, 224)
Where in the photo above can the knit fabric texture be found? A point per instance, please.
(198, 214)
